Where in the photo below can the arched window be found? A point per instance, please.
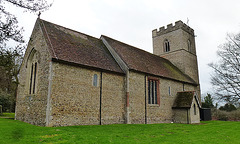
(166, 46)
(34, 77)
(32, 67)
(194, 108)
(189, 46)
(95, 77)
(31, 77)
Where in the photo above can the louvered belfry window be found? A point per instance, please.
(166, 46)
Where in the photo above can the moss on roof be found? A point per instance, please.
(142, 61)
(184, 99)
(74, 47)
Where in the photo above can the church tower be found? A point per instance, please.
(177, 44)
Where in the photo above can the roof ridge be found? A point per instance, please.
(69, 29)
(138, 49)
(130, 45)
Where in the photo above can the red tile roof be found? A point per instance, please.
(67, 45)
(142, 61)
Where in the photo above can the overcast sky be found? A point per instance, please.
(132, 22)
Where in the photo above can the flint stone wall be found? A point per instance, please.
(153, 113)
(75, 101)
(31, 108)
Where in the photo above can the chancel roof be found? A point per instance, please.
(77, 48)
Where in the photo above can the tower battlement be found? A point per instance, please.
(170, 27)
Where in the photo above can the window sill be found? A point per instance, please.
(31, 94)
(153, 105)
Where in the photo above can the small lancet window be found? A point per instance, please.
(33, 75)
(95, 77)
(195, 111)
(166, 46)
(189, 46)
(169, 91)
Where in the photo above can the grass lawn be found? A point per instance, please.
(8, 115)
(211, 132)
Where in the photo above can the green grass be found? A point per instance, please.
(211, 132)
(7, 115)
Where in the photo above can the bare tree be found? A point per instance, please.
(9, 28)
(226, 76)
(10, 61)
(10, 58)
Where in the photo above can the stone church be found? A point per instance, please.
(70, 78)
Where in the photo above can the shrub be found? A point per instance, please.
(222, 115)
(235, 115)
(225, 115)
(228, 107)
(7, 102)
(0, 110)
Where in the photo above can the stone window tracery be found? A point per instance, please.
(32, 68)
(33, 77)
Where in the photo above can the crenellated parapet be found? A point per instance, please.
(170, 27)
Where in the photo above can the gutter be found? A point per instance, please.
(86, 66)
(150, 74)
